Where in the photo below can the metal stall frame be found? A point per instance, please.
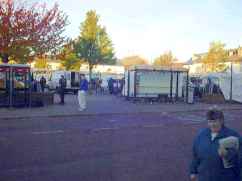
(128, 84)
(27, 91)
(171, 86)
(27, 82)
(6, 70)
(177, 85)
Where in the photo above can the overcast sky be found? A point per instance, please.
(150, 27)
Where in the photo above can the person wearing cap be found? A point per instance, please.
(210, 152)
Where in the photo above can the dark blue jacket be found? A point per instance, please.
(84, 85)
(206, 161)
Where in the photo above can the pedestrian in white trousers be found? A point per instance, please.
(82, 100)
(82, 93)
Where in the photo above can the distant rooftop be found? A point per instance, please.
(234, 55)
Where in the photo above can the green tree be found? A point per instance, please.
(166, 59)
(22, 54)
(214, 60)
(94, 45)
(68, 58)
(106, 47)
(71, 62)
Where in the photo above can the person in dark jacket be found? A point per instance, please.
(42, 83)
(34, 85)
(110, 85)
(207, 162)
(62, 87)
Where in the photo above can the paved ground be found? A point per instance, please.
(113, 140)
(106, 105)
(111, 147)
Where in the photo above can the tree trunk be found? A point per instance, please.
(90, 78)
(90, 72)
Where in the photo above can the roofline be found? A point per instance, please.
(14, 65)
(157, 68)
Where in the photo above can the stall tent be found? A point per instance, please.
(230, 84)
(153, 82)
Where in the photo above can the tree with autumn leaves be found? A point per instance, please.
(217, 55)
(41, 63)
(29, 31)
(167, 60)
(133, 60)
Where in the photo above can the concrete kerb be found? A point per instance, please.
(110, 114)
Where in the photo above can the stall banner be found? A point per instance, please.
(4, 69)
(21, 70)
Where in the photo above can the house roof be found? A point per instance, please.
(198, 58)
(234, 59)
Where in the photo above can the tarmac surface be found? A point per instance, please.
(131, 142)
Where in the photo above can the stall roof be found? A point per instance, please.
(157, 68)
(14, 65)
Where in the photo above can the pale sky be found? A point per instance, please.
(151, 27)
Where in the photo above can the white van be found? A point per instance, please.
(72, 80)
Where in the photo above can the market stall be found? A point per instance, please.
(15, 85)
(155, 82)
